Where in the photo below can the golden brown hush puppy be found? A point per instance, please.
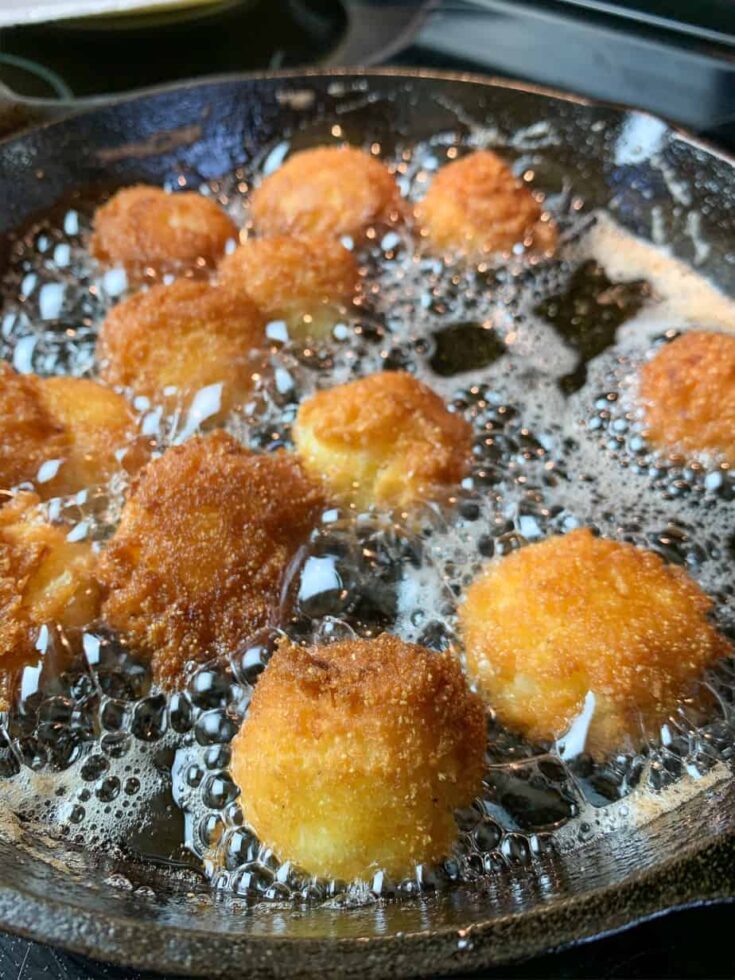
(387, 439)
(145, 227)
(550, 624)
(197, 562)
(476, 206)
(44, 578)
(305, 281)
(328, 190)
(171, 342)
(353, 756)
(688, 393)
(62, 434)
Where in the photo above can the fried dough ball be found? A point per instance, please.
(476, 205)
(328, 190)
(170, 342)
(554, 621)
(688, 391)
(305, 281)
(197, 562)
(386, 439)
(63, 434)
(354, 755)
(146, 227)
(101, 429)
(29, 434)
(44, 578)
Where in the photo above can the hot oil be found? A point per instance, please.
(540, 357)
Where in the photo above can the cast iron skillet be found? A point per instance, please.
(651, 177)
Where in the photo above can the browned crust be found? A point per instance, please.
(397, 420)
(688, 392)
(197, 562)
(285, 274)
(326, 190)
(80, 424)
(32, 554)
(476, 206)
(146, 227)
(29, 433)
(360, 677)
(17, 633)
(185, 335)
(377, 740)
(572, 614)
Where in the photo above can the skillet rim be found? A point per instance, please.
(115, 936)
(385, 71)
(137, 943)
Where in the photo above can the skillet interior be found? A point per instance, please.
(651, 178)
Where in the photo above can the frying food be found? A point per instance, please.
(328, 190)
(577, 616)
(240, 586)
(44, 578)
(476, 206)
(305, 281)
(197, 562)
(62, 434)
(184, 342)
(387, 439)
(146, 228)
(688, 393)
(354, 755)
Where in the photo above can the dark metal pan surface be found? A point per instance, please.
(685, 855)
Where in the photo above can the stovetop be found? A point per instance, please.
(631, 54)
(673, 57)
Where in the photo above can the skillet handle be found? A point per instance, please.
(378, 29)
(19, 113)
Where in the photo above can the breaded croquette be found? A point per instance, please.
(387, 439)
(197, 562)
(573, 616)
(305, 281)
(44, 578)
(328, 190)
(688, 394)
(476, 206)
(171, 342)
(354, 755)
(101, 431)
(145, 227)
(29, 434)
(61, 434)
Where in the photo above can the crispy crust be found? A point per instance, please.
(688, 391)
(43, 578)
(171, 341)
(327, 190)
(197, 562)
(101, 429)
(546, 624)
(146, 227)
(84, 426)
(354, 755)
(386, 439)
(290, 278)
(477, 206)
(29, 433)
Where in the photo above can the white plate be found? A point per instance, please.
(13, 12)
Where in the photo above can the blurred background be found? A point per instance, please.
(673, 57)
